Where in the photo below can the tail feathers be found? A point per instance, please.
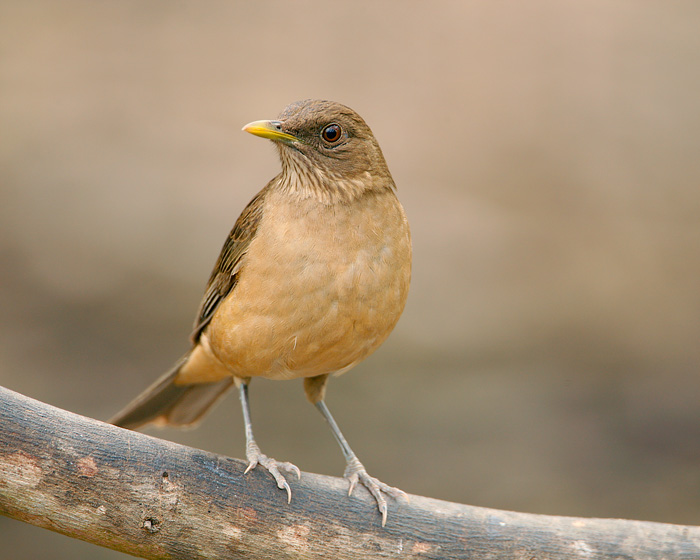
(167, 403)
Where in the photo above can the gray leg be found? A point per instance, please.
(355, 471)
(255, 456)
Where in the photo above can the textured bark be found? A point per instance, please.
(156, 499)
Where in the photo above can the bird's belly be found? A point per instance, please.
(285, 323)
(319, 302)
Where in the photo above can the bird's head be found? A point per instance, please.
(326, 145)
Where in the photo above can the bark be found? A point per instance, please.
(157, 499)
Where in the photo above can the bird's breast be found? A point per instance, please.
(321, 287)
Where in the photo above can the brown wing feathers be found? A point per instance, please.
(169, 402)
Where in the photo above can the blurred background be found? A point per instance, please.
(548, 157)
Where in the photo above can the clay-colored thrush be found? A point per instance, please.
(311, 280)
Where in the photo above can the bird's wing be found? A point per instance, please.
(225, 274)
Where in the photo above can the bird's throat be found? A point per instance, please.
(305, 181)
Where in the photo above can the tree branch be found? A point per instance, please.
(156, 499)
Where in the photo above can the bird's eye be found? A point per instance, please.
(332, 133)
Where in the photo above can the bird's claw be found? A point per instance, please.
(355, 472)
(255, 458)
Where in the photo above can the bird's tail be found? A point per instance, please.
(168, 403)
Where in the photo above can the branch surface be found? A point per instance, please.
(156, 499)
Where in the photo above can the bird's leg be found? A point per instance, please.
(252, 451)
(355, 471)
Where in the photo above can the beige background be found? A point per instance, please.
(547, 154)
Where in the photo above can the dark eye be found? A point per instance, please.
(332, 133)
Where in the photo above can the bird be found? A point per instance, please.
(311, 280)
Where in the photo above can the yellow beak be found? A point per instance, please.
(269, 129)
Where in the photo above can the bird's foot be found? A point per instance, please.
(256, 457)
(355, 472)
